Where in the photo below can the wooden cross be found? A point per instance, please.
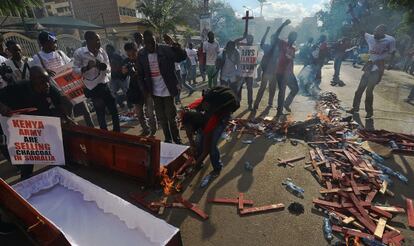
(247, 18)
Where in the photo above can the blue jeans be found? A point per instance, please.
(214, 151)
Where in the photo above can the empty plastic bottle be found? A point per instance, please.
(248, 166)
(401, 177)
(294, 189)
(327, 229)
(393, 145)
(376, 157)
(205, 181)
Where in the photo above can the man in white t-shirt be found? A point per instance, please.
(381, 46)
(156, 76)
(52, 59)
(212, 48)
(192, 63)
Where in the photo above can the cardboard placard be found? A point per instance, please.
(248, 60)
(34, 139)
(70, 83)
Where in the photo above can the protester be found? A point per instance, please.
(320, 53)
(3, 72)
(380, 46)
(284, 72)
(269, 65)
(156, 72)
(229, 66)
(36, 93)
(191, 64)
(246, 40)
(142, 102)
(216, 106)
(17, 62)
(340, 51)
(181, 71)
(52, 59)
(92, 63)
(306, 52)
(211, 48)
(202, 62)
(118, 79)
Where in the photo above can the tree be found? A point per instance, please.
(165, 15)
(18, 6)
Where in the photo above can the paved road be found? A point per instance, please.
(263, 185)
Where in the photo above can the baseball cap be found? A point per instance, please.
(46, 36)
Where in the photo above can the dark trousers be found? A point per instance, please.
(102, 99)
(272, 90)
(292, 84)
(337, 67)
(368, 82)
(182, 82)
(249, 85)
(166, 114)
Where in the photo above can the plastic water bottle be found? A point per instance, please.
(327, 229)
(393, 145)
(385, 177)
(248, 166)
(205, 181)
(401, 177)
(376, 157)
(294, 189)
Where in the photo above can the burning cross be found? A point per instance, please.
(247, 18)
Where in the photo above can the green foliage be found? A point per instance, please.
(18, 6)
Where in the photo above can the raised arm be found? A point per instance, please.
(263, 41)
(279, 30)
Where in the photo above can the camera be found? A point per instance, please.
(131, 68)
(101, 66)
(4, 69)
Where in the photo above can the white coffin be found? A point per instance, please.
(89, 215)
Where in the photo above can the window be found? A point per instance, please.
(127, 12)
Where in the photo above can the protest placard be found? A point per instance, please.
(33, 139)
(248, 60)
(70, 84)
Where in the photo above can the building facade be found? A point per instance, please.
(58, 7)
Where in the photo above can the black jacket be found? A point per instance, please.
(167, 56)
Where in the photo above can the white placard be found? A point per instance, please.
(34, 139)
(248, 60)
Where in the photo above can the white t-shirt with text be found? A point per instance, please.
(379, 49)
(52, 61)
(211, 50)
(159, 88)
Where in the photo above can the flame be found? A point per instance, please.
(352, 241)
(166, 182)
(287, 123)
(323, 118)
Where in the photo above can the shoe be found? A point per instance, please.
(341, 83)
(153, 132)
(6, 228)
(369, 115)
(334, 83)
(288, 109)
(144, 133)
(279, 114)
(352, 111)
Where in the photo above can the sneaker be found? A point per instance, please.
(6, 228)
(369, 115)
(341, 83)
(288, 109)
(334, 83)
(352, 111)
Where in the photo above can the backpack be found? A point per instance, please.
(221, 99)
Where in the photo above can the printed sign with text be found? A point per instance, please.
(34, 139)
(70, 84)
(248, 60)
